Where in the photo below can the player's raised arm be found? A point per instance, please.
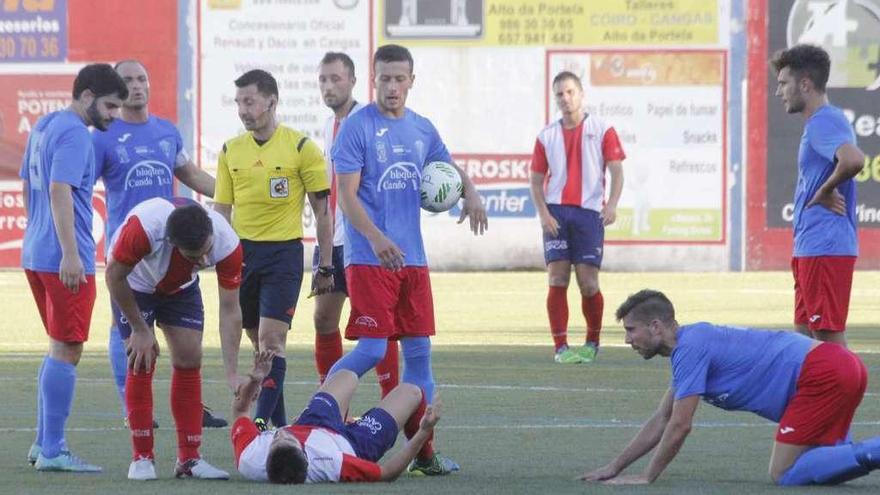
(246, 393)
(645, 440)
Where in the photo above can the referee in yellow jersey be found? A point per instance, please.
(262, 179)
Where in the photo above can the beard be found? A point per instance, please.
(95, 117)
(796, 105)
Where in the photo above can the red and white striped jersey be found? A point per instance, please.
(158, 266)
(331, 128)
(573, 161)
(331, 458)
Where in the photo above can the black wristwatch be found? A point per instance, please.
(325, 271)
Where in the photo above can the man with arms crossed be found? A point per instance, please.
(811, 388)
(825, 238)
(320, 447)
(58, 254)
(137, 158)
(151, 274)
(378, 157)
(262, 178)
(568, 187)
(336, 80)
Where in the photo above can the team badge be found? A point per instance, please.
(165, 146)
(278, 187)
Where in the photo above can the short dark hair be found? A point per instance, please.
(393, 53)
(266, 83)
(567, 75)
(189, 227)
(287, 464)
(331, 57)
(101, 80)
(809, 61)
(646, 305)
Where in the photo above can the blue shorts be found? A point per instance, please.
(370, 436)
(181, 309)
(270, 280)
(580, 237)
(338, 269)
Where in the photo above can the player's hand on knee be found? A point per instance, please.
(143, 349)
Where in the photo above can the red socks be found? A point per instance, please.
(593, 307)
(388, 370)
(557, 312)
(186, 407)
(412, 427)
(139, 402)
(328, 350)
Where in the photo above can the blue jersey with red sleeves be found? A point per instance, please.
(817, 230)
(137, 162)
(738, 369)
(389, 154)
(59, 150)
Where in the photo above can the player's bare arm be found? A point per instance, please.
(196, 179)
(473, 208)
(230, 334)
(224, 210)
(393, 467)
(609, 211)
(143, 348)
(645, 440)
(71, 272)
(246, 393)
(384, 248)
(548, 224)
(319, 202)
(674, 435)
(850, 161)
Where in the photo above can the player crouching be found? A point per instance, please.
(319, 447)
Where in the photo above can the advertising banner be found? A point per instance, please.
(550, 22)
(33, 31)
(848, 31)
(668, 110)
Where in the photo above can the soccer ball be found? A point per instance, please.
(441, 187)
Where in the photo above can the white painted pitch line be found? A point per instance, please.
(613, 424)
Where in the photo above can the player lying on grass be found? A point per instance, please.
(319, 447)
(811, 388)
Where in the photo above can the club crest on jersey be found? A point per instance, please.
(122, 154)
(381, 153)
(399, 176)
(165, 146)
(279, 187)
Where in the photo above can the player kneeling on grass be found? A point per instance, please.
(319, 447)
(151, 275)
(811, 388)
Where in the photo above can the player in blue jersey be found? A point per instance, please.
(138, 158)
(378, 157)
(58, 255)
(825, 239)
(811, 388)
(336, 80)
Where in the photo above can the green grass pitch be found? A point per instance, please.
(516, 421)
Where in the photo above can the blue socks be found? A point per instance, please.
(417, 364)
(270, 394)
(364, 357)
(39, 439)
(57, 384)
(833, 465)
(416, 361)
(118, 364)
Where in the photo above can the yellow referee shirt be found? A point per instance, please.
(266, 185)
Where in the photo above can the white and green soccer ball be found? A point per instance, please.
(441, 187)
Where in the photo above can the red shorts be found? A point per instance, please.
(829, 389)
(389, 304)
(66, 316)
(822, 285)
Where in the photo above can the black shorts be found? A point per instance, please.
(271, 280)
